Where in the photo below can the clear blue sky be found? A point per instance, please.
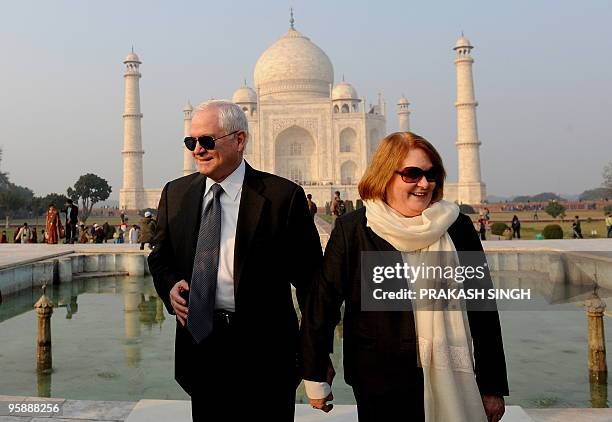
(543, 76)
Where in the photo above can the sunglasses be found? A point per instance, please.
(206, 142)
(414, 174)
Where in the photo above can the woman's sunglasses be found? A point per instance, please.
(414, 174)
(206, 142)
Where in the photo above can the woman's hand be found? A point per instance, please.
(494, 407)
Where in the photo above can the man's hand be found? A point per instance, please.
(322, 403)
(178, 303)
(494, 407)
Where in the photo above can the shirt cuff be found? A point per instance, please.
(317, 390)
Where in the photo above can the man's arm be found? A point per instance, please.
(162, 257)
(306, 244)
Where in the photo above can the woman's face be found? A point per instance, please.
(411, 199)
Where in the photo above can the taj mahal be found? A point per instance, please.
(305, 128)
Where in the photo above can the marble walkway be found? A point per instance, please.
(179, 411)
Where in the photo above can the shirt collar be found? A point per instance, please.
(232, 184)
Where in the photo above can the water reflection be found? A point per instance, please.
(113, 341)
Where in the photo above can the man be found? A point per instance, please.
(24, 234)
(72, 216)
(577, 229)
(609, 224)
(312, 206)
(148, 227)
(231, 241)
(337, 208)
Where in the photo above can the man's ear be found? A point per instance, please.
(242, 141)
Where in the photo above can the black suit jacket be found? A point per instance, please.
(380, 349)
(276, 245)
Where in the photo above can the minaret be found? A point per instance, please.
(131, 196)
(188, 163)
(470, 189)
(403, 114)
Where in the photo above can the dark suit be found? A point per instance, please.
(276, 245)
(380, 352)
(72, 217)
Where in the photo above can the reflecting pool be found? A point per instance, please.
(113, 340)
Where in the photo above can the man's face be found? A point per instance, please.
(225, 158)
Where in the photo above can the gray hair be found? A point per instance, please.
(231, 116)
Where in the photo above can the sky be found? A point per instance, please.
(542, 72)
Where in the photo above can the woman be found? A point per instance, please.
(404, 214)
(53, 227)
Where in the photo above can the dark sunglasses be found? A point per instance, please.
(206, 142)
(414, 174)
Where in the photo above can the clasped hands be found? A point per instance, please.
(322, 404)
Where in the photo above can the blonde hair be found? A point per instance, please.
(388, 158)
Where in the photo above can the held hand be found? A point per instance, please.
(321, 404)
(494, 407)
(178, 303)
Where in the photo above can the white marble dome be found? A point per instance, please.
(344, 91)
(293, 67)
(244, 94)
(132, 57)
(462, 42)
(403, 100)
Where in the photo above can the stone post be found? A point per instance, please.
(44, 309)
(598, 369)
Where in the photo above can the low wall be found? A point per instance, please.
(62, 269)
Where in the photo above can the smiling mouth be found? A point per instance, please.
(419, 194)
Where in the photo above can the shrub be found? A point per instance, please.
(349, 205)
(359, 204)
(552, 231)
(327, 208)
(467, 209)
(555, 209)
(498, 228)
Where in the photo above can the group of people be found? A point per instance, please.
(73, 231)
(231, 242)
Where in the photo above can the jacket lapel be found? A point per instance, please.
(192, 210)
(251, 206)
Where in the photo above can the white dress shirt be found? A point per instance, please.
(230, 204)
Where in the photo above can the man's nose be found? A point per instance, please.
(198, 149)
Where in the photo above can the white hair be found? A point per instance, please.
(231, 116)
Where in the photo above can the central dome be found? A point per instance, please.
(293, 67)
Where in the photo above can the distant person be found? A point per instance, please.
(123, 217)
(516, 227)
(148, 226)
(535, 215)
(134, 234)
(3, 238)
(487, 214)
(609, 224)
(312, 207)
(482, 228)
(43, 239)
(99, 235)
(53, 226)
(83, 235)
(107, 232)
(34, 236)
(72, 217)
(577, 229)
(123, 229)
(23, 234)
(338, 208)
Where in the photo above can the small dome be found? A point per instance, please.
(344, 91)
(188, 107)
(244, 94)
(462, 42)
(403, 101)
(132, 57)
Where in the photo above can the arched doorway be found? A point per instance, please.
(348, 173)
(293, 155)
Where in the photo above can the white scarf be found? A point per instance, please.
(444, 339)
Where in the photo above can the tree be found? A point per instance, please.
(90, 189)
(595, 194)
(555, 209)
(607, 176)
